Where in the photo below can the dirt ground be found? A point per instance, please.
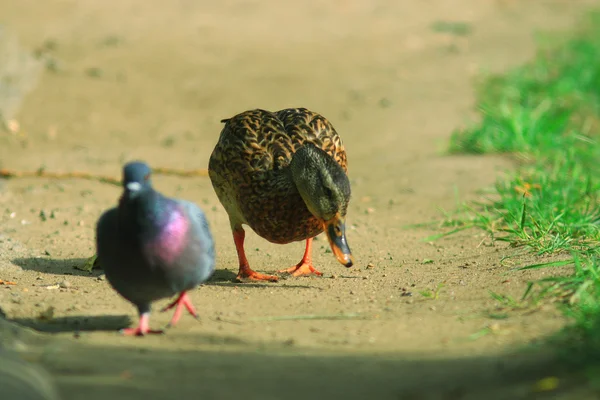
(151, 80)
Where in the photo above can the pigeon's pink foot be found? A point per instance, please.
(182, 301)
(142, 328)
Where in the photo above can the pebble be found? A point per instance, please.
(65, 284)
(494, 327)
(101, 277)
(47, 314)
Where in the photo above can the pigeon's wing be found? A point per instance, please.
(106, 230)
(200, 230)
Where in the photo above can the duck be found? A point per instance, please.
(285, 175)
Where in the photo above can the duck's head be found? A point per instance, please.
(325, 189)
(136, 178)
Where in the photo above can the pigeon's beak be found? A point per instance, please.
(134, 186)
(335, 229)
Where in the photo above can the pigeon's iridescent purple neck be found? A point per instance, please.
(172, 238)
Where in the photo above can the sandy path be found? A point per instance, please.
(143, 79)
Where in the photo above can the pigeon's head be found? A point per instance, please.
(136, 178)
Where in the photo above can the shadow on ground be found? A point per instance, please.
(222, 275)
(66, 266)
(229, 368)
(76, 324)
(226, 277)
(135, 373)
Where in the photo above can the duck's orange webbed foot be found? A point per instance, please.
(246, 274)
(301, 269)
(305, 266)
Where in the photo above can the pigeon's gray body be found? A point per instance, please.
(152, 247)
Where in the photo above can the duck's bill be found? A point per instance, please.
(335, 229)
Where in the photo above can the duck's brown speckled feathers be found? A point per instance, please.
(249, 174)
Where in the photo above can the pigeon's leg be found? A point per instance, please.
(143, 327)
(245, 272)
(182, 301)
(305, 266)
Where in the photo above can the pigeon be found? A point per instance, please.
(153, 247)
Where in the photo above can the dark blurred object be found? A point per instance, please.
(22, 380)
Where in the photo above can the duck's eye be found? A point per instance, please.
(147, 177)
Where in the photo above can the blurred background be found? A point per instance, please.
(87, 85)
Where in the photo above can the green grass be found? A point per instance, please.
(546, 115)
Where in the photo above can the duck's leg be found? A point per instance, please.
(245, 273)
(305, 266)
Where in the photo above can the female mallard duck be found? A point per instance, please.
(283, 174)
